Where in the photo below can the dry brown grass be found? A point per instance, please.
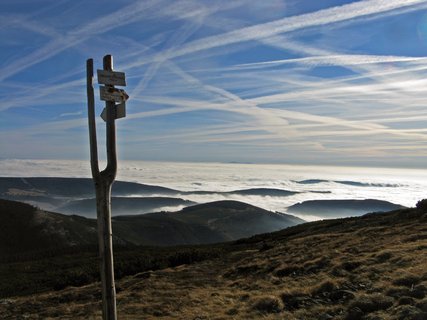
(366, 268)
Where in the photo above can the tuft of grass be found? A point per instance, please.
(288, 271)
(267, 304)
(371, 303)
(408, 280)
(405, 301)
(350, 265)
(418, 292)
(232, 311)
(326, 287)
(293, 300)
(383, 256)
(422, 305)
(316, 265)
(410, 312)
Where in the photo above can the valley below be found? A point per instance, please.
(218, 260)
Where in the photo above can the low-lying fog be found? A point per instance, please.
(400, 186)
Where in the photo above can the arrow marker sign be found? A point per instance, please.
(111, 78)
(113, 94)
(120, 110)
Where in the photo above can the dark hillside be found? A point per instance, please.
(369, 267)
(26, 229)
(29, 228)
(212, 222)
(235, 219)
(159, 229)
(60, 250)
(19, 230)
(72, 187)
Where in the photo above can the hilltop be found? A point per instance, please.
(123, 205)
(26, 228)
(213, 222)
(337, 208)
(369, 267)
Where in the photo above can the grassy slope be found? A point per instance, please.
(158, 229)
(49, 250)
(372, 267)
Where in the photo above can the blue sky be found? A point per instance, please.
(278, 81)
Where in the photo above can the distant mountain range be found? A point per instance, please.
(26, 228)
(84, 188)
(271, 192)
(329, 209)
(72, 187)
(350, 183)
(76, 195)
(124, 205)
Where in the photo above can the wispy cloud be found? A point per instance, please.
(290, 24)
(333, 60)
(209, 60)
(128, 14)
(71, 114)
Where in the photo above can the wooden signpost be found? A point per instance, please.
(103, 180)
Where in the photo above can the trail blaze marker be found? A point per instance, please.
(103, 180)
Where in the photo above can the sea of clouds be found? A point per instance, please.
(400, 186)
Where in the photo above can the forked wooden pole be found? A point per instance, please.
(103, 182)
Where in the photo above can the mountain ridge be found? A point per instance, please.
(122, 205)
(160, 228)
(341, 208)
